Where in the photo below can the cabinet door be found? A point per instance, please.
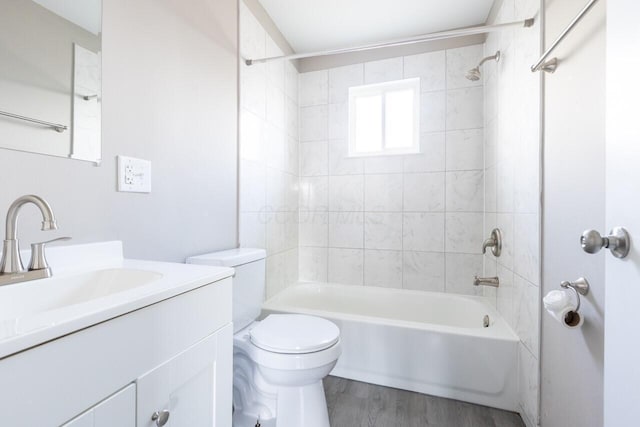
(194, 386)
(117, 410)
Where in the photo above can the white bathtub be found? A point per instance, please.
(428, 342)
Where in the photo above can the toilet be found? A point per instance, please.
(280, 361)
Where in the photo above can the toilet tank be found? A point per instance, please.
(248, 282)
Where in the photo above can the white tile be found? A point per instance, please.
(314, 158)
(429, 67)
(385, 70)
(314, 229)
(527, 175)
(460, 272)
(291, 118)
(346, 266)
(383, 268)
(275, 271)
(253, 89)
(504, 186)
(383, 164)
(251, 137)
(504, 221)
(346, 193)
(423, 232)
(314, 193)
(314, 123)
(276, 190)
(346, 230)
(338, 121)
(528, 383)
(276, 145)
(506, 294)
(339, 161)
(276, 232)
(313, 264)
(465, 191)
(490, 196)
(253, 186)
(424, 192)
(431, 157)
(465, 109)
(423, 271)
(465, 150)
(462, 59)
(463, 233)
(383, 230)
(252, 230)
(291, 82)
(526, 310)
(433, 111)
(275, 69)
(341, 79)
(526, 247)
(313, 88)
(383, 193)
(292, 159)
(291, 267)
(275, 106)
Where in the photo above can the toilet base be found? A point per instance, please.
(296, 406)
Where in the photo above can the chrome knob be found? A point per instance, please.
(160, 417)
(617, 242)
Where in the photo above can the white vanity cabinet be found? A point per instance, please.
(174, 355)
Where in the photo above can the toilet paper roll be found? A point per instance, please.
(568, 317)
(558, 305)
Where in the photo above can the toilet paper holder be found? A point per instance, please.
(580, 287)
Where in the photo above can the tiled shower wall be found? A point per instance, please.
(268, 154)
(512, 162)
(412, 221)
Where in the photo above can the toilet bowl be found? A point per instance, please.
(279, 365)
(280, 361)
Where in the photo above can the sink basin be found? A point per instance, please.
(20, 303)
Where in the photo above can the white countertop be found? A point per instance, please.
(31, 329)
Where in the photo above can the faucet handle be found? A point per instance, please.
(38, 259)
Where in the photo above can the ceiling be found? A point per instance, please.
(310, 25)
(86, 13)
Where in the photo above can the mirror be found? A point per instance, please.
(50, 77)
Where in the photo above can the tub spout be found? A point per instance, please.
(486, 281)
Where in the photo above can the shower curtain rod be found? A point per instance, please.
(441, 35)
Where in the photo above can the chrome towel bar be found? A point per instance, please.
(551, 65)
(55, 126)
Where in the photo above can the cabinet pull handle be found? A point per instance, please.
(160, 417)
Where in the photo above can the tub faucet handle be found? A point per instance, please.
(494, 242)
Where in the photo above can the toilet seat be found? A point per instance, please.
(294, 334)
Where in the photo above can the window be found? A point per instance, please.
(384, 118)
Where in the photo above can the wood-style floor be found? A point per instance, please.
(356, 404)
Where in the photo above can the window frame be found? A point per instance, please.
(383, 89)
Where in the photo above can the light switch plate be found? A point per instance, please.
(134, 175)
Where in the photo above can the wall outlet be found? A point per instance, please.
(134, 175)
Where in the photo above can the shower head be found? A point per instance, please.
(474, 74)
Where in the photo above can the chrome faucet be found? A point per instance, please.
(11, 268)
(486, 281)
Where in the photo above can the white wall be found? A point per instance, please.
(512, 186)
(269, 154)
(412, 221)
(574, 200)
(170, 96)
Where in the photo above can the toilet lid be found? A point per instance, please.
(294, 333)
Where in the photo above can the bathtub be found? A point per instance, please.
(428, 342)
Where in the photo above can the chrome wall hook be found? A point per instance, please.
(618, 242)
(580, 287)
